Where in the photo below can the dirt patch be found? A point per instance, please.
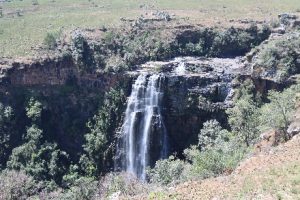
(267, 175)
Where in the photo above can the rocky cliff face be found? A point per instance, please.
(73, 81)
(195, 90)
(57, 71)
(69, 96)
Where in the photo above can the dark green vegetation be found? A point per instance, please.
(123, 49)
(55, 141)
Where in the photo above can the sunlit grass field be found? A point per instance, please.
(25, 23)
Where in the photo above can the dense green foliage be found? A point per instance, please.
(42, 160)
(278, 58)
(277, 114)
(220, 153)
(42, 169)
(42, 156)
(243, 117)
(121, 50)
(98, 147)
(6, 133)
(81, 52)
(168, 171)
(208, 134)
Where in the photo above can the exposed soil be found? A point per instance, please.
(267, 175)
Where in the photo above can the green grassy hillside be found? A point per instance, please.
(25, 23)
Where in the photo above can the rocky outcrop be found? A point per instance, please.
(57, 71)
(277, 58)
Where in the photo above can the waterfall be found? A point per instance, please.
(143, 122)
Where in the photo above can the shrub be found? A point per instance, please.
(243, 117)
(278, 58)
(34, 110)
(277, 114)
(116, 64)
(50, 40)
(17, 185)
(82, 53)
(6, 133)
(40, 159)
(218, 159)
(167, 171)
(119, 183)
(208, 134)
(97, 147)
(83, 188)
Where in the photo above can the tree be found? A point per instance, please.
(42, 160)
(101, 133)
(50, 40)
(209, 133)
(221, 157)
(34, 110)
(243, 117)
(6, 133)
(278, 113)
(167, 171)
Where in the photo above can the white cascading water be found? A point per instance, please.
(143, 109)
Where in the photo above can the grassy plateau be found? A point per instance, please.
(25, 23)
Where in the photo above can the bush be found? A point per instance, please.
(278, 58)
(116, 64)
(221, 158)
(42, 160)
(121, 184)
(97, 148)
(209, 134)
(82, 53)
(243, 117)
(83, 188)
(167, 171)
(277, 114)
(50, 40)
(7, 133)
(17, 185)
